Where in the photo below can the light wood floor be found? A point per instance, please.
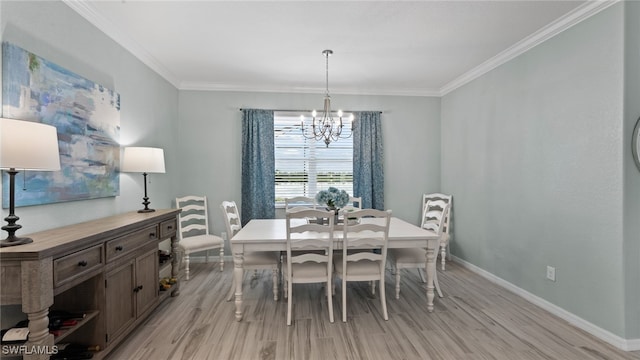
(475, 320)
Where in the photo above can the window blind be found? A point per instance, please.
(305, 166)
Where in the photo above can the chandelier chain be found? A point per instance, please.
(326, 55)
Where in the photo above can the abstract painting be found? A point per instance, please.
(87, 117)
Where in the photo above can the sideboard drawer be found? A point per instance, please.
(123, 246)
(74, 266)
(168, 228)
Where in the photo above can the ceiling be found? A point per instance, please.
(422, 48)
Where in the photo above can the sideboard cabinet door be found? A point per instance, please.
(147, 281)
(120, 299)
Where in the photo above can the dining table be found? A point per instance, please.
(271, 235)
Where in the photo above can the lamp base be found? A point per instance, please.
(13, 241)
(145, 199)
(12, 227)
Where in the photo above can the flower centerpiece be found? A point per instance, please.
(333, 197)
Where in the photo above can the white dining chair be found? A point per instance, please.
(445, 238)
(415, 258)
(355, 203)
(253, 260)
(309, 258)
(364, 253)
(193, 230)
(299, 201)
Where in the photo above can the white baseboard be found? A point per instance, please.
(605, 335)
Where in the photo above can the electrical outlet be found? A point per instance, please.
(551, 273)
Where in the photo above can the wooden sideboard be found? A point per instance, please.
(106, 268)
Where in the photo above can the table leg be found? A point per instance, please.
(238, 273)
(431, 269)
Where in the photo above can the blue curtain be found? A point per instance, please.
(258, 165)
(368, 172)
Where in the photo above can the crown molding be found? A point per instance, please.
(588, 9)
(563, 23)
(87, 11)
(201, 86)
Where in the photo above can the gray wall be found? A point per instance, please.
(531, 152)
(149, 108)
(149, 104)
(631, 246)
(210, 144)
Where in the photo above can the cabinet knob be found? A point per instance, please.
(152, 235)
(82, 263)
(137, 288)
(119, 248)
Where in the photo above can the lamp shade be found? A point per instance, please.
(27, 145)
(143, 159)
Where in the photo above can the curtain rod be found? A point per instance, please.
(308, 111)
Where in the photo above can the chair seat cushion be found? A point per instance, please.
(416, 256)
(200, 243)
(307, 272)
(358, 268)
(261, 258)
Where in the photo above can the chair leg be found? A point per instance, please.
(372, 285)
(398, 283)
(274, 277)
(289, 303)
(333, 284)
(255, 274)
(206, 256)
(421, 273)
(383, 299)
(221, 259)
(443, 253)
(186, 266)
(436, 284)
(330, 300)
(344, 300)
(285, 287)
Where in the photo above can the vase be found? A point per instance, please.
(335, 219)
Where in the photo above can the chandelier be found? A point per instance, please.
(325, 127)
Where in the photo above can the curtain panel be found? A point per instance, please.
(368, 172)
(258, 165)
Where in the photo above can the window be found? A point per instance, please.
(306, 166)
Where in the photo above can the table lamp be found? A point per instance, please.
(145, 160)
(25, 145)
